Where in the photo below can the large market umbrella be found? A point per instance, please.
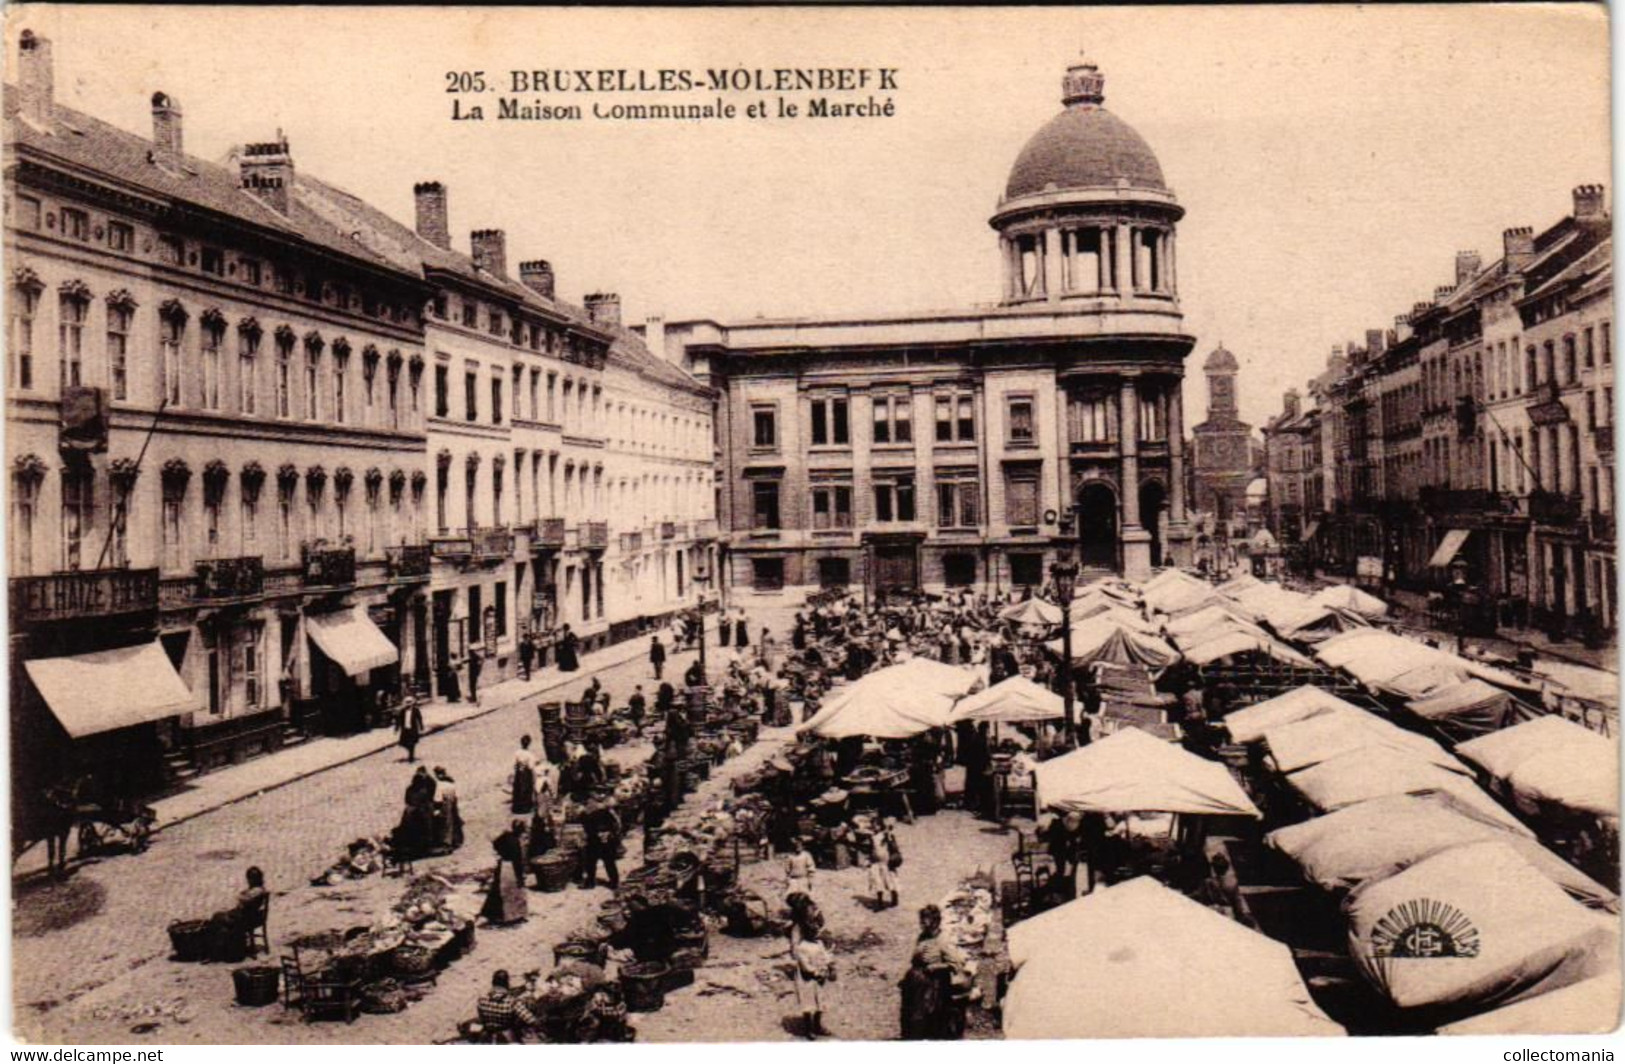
(897, 702)
(1315, 622)
(1133, 772)
(1106, 639)
(1467, 709)
(1383, 837)
(1311, 742)
(1034, 611)
(1249, 725)
(1356, 776)
(1590, 1007)
(1514, 933)
(1228, 644)
(1345, 597)
(1014, 699)
(1550, 759)
(1120, 963)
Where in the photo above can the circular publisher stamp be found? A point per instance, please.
(1424, 929)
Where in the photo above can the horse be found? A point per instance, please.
(59, 813)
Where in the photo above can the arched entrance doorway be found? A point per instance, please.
(1152, 504)
(1097, 525)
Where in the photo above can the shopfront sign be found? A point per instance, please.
(84, 594)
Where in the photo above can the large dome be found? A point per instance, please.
(1085, 146)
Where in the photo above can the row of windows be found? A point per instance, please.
(305, 378)
(829, 421)
(958, 502)
(73, 223)
(585, 490)
(509, 326)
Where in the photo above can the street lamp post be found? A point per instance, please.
(701, 578)
(1065, 575)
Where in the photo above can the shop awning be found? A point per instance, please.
(353, 642)
(111, 689)
(1449, 547)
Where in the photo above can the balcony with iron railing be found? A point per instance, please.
(631, 542)
(550, 532)
(1602, 528)
(668, 530)
(410, 561)
(491, 544)
(1554, 508)
(229, 578)
(323, 566)
(594, 535)
(705, 528)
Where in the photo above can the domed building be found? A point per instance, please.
(972, 448)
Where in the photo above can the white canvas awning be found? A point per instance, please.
(1550, 759)
(1133, 772)
(351, 639)
(111, 689)
(1449, 547)
(1014, 699)
(1249, 725)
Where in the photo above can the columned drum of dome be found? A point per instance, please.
(973, 447)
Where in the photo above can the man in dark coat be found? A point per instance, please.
(568, 653)
(603, 829)
(527, 654)
(474, 667)
(657, 655)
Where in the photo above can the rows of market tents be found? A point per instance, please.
(1462, 838)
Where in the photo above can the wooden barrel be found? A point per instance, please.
(643, 986)
(554, 871)
(256, 985)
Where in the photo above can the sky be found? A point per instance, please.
(1331, 161)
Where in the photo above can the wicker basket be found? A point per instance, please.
(256, 985)
(190, 938)
(554, 871)
(643, 986)
(411, 962)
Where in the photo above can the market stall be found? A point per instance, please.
(1103, 639)
(1589, 1007)
(1473, 928)
(1303, 743)
(1141, 960)
(1551, 760)
(1380, 838)
(1132, 771)
(1468, 709)
(1017, 699)
(1355, 776)
(1249, 725)
(897, 702)
(1352, 599)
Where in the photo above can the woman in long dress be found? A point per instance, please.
(505, 898)
(568, 658)
(416, 832)
(449, 820)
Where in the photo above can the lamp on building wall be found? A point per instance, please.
(1065, 575)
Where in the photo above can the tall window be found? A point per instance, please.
(1571, 369)
(284, 522)
(247, 662)
(174, 524)
(552, 388)
(442, 487)
(469, 488)
(24, 305)
(765, 504)
(831, 506)
(250, 521)
(171, 330)
(212, 335)
(1531, 372)
(1020, 420)
(1590, 348)
(71, 336)
(313, 365)
(471, 387)
(764, 426)
(24, 505)
(212, 498)
(1021, 499)
(341, 375)
(496, 397)
(535, 394)
(119, 318)
(1607, 329)
(957, 501)
(442, 391)
(392, 371)
(1092, 419)
(1152, 427)
(77, 515)
(956, 419)
(830, 422)
(284, 372)
(496, 493)
(894, 499)
(500, 601)
(248, 354)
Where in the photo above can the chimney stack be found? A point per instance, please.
(35, 80)
(166, 129)
(267, 172)
(1374, 341)
(1519, 247)
(604, 308)
(1289, 402)
(654, 334)
(490, 248)
(1442, 292)
(1590, 202)
(1393, 337)
(432, 225)
(537, 276)
(1468, 263)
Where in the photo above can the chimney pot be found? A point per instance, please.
(36, 81)
(432, 224)
(490, 250)
(1590, 203)
(166, 128)
(1373, 341)
(604, 308)
(1519, 247)
(537, 275)
(1468, 263)
(266, 171)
